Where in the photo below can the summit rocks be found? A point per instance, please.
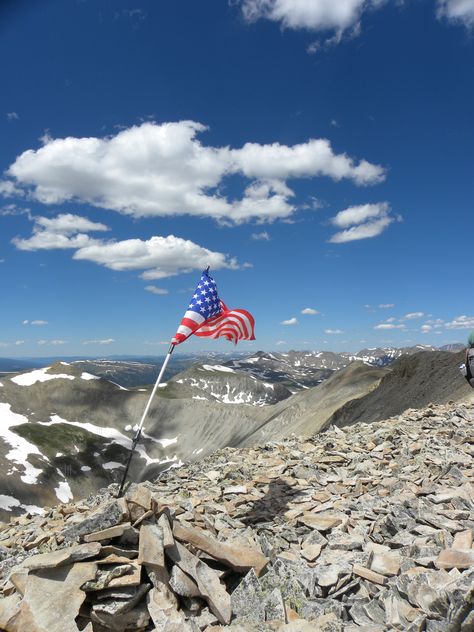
(362, 528)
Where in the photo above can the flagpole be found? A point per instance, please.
(138, 433)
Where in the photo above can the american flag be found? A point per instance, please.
(208, 316)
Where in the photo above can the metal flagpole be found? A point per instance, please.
(136, 438)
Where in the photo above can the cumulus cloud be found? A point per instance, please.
(457, 11)
(8, 189)
(312, 15)
(362, 222)
(64, 231)
(461, 322)
(156, 290)
(389, 326)
(154, 170)
(290, 321)
(263, 236)
(386, 305)
(159, 257)
(333, 331)
(309, 311)
(413, 315)
(106, 341)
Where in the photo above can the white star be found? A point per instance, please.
(195, 295)
(208, 300)
(206, 282)
(199, 302)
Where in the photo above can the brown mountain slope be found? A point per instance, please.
(413, 382)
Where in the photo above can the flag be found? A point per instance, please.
(208, 316)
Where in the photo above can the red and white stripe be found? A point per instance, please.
(191, 321)
(233, 324)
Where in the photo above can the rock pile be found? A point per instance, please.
(365, 528)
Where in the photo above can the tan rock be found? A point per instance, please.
(53, 597)
(62, 557)
(164, 614)
(311, 552)
(207, 580)
(387, 564)
(9, 609)
(370, 575)
(107, 534)
(150, 547)
(452, 558)
(320, 522)
(164, 523)
(463, 540)
(238, 555)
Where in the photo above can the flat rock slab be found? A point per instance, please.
(207, 581)
(455, 558)
(321, 523)
(52, 599)
(239, 556)
(62, 557)
(371, 576)
(107, 534)
(151, 551)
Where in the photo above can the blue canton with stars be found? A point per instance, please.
(205, 300)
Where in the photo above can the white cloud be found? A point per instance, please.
(156, 290)
(333, 331)
(12, 116)
(360, 214)
(386, 305)
(160, 257)
(425, 329)
(461, 322)
(19, 342)
(290, 321)
(313, 15)
(263, 236)
(309, 311)
(365, 221)
(107, 341)
(365, 231)
(460, 11)
(155, 170)
(9, 189)
(35, 322)
(413, 315)
(64, 231)
(389, 326)
(52, 342)
(280, 342)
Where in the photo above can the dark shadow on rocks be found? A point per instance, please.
(273, 504)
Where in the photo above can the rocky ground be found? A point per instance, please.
(368, 527)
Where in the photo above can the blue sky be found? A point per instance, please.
(317, 155)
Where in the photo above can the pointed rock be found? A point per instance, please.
(207, 581)
(164, 614)
(238, 556)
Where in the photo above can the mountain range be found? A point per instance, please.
(66, 432)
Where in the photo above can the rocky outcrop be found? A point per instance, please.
(365, 528)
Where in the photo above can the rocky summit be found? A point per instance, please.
(368, 527)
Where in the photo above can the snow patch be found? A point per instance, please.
(217, 367)
(7, 502)
(85, 468)
(112, 465)
(63, 492)
(89, 376)
(21, 447)
(40, 375)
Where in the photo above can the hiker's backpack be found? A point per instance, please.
(469, 374)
